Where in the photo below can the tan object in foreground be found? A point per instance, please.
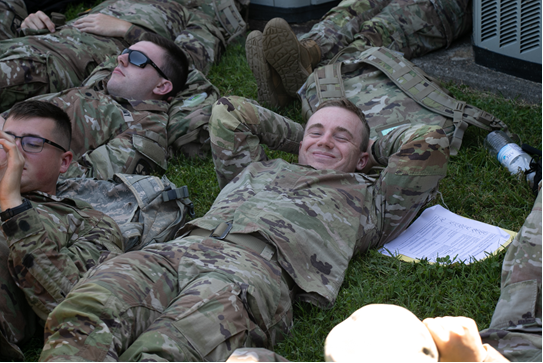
(367, 335)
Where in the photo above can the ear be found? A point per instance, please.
(163, 88)
(362, 161)
(65, 161)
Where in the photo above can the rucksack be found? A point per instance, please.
(391, 91)
(147, 209)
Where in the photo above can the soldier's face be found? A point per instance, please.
(332, 140)
(130, 81)
(40, 170)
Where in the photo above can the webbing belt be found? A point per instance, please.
(222, 232)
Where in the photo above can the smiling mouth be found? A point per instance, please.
(323, 155)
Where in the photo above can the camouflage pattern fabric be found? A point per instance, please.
(192, 299)
(51, 246)
(316, 249)
(17, 319)
(383, 103)
(112, 134)
(12, 13)
(57, 61)
(185, 295)
(515, 329)
(413, 27)
(188, 112)
(188, 117)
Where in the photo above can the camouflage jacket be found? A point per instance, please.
(112, 134)
(188, 111)
(53, 244)
(318, 219)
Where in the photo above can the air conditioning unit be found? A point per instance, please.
(507, 36)
(293, 11)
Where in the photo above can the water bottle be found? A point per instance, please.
(509, 154)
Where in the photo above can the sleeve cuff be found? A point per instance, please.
(134, 34)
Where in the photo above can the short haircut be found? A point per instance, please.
(28, 109)
(348, 105)
(175, 64)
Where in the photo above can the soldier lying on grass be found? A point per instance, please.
(119, 124)
(48, 243)
(386, 332)
(281, 63)
(53, 58)
(277, 232)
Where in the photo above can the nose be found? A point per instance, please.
(326, 140)
(123, 59)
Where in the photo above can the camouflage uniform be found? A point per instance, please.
(200, 298)
(515, 329)
(51, 246)
(112, 134)
(12, 13)
(413, 27)
(52, 62)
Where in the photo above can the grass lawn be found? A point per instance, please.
(476, 187)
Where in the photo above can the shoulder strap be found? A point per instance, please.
(231, 20)
(414, 83)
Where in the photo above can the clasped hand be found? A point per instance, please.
(99, 24)
(12, 162)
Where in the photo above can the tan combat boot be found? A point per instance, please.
(292, 59)
(270, 87)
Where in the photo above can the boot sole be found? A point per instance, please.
(260, 68)
(282, 51)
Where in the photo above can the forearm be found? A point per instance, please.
(239, 128)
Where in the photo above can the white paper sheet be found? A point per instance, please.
(439, 232)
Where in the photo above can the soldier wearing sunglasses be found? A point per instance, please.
(47, 243)
(120, 121)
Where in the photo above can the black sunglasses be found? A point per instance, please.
(139, 59)
(34, 144)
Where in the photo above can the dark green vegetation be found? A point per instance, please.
(476, 187)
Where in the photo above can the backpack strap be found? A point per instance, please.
(428, 94)
(331, 85)
(230, 18)
(182, 194)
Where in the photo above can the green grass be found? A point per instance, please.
(476, 187)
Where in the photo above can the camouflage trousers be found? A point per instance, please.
(191, 299)
(12, 13)
(413, 27)
(515, 329)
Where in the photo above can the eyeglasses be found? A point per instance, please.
(139, 59)
(34, 144)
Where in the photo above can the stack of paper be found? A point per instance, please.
(438, 233)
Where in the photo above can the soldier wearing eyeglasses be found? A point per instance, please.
(48, 243)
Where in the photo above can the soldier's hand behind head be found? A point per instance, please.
(457, 339)
(37, 21)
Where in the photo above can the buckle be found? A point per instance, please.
(222, 230)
